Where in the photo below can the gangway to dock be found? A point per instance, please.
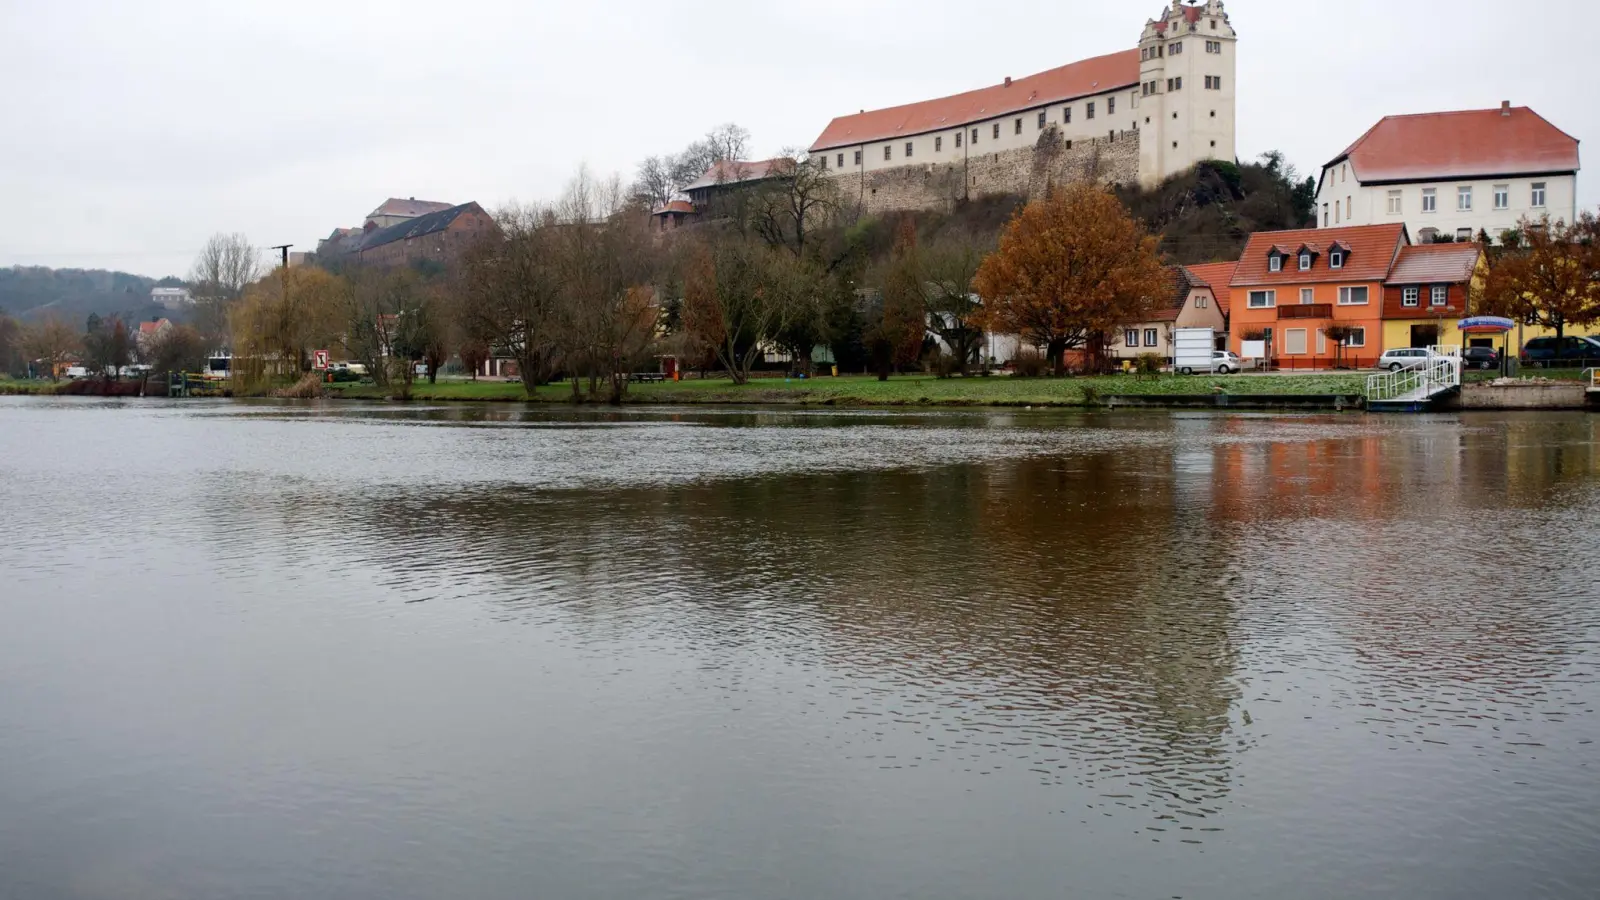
(1417, 388)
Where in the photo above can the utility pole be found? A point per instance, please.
(284, 249)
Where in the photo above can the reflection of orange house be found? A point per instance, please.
(1292, 286)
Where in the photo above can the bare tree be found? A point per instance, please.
(654, 184)
(739, 297)
(510, 288)
(797, 199)
(227, 264)
(52, 342)
(725, 143)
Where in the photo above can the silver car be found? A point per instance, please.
(1405, 358)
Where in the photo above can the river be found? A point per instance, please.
(339, 651)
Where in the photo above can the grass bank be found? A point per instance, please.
(905, 390)
(9, 386)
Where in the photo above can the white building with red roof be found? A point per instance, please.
(1140, 114)
(1453, 174)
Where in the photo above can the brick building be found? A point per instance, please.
(439, 236)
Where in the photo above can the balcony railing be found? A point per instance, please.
(1306, 311)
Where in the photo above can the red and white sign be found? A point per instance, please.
(320, 360)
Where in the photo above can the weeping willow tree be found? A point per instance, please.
(280, 322)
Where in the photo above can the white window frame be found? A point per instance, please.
(1200, 301)
(1464, 198)
(1430, 200)
(1305, 262)
(1322, 342)
(1270, 298)
(1274, 263)
(1411, 296)
(1152, 337)
(1130, 338)
(1463, 235)
(1396, 203)
(1361, 332)
(1502, 196)
(1308, 296)
(1346, 293)
(1336, 259)
(1439, 295)
(1537, 194)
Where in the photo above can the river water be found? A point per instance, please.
(297, 650)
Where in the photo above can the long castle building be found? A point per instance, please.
(1140, 115)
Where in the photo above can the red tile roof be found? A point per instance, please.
(1436, 264)
(153, 327)
(1174, 296)
(733, 171)
(1090, 76)
(1191, 14)
(1373, 249)
(1473, 143)
(1218, 277)
(676, 206)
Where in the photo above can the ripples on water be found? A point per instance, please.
(368, 651)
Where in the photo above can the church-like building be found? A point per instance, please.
(1135, 116)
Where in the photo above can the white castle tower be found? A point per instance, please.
(1186, 92)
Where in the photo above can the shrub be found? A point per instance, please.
(1030, 363)
(942, 364)
(1149, 365)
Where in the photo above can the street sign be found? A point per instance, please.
(320, 360)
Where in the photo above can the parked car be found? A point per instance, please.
(1549, 349)
(1226, 362)
(1405, 358)
(1480, 358)
(77, 372)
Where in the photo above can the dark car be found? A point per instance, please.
(1480, 358)
(1567, 349)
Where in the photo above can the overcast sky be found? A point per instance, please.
(130, 130)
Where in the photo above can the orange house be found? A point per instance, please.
(1291, 287)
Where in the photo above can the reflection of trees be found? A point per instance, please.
(1041, 614)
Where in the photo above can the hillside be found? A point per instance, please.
(33, 292)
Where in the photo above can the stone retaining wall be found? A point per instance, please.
(1113, 159)
(1538, 395)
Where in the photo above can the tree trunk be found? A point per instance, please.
(1058, 356)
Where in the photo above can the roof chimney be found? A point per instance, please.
(1008, 81)
(1505, 107)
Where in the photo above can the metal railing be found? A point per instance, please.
(1440, 373)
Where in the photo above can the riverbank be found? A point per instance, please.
(905, 390)
(13, 388)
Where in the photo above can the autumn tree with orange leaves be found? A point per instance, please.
(1071, 268)
(1547, 275)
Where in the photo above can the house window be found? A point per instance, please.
(1349, 208)
(1274, 263)
(1430, 200)
(1151, 338)
(1090, 113)
(1336, 259)
(938, 143)
(1538, 194)
(1352, 296)
(1394, 203)
(1263, 299)
(1464, 199)
(1131, 338)
(1463, 235)
(1294, 342)
(1066, 114)
(858, 157)
(996, 134)
(1338, 212)
(1200, 301)
(974, 137)
(1440, 296)
(823, 160)
(1502, 196)
(1357, 338)
(1042, 119)
(1411, 296)
(888, 152)
(1308, 296)
(1325, 221)
(958, 139)
(1305, 262)
(841, 160)
(1016, 127)
(1111, 106)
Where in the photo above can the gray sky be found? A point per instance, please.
(130, 130)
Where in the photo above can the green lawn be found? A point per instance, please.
(10, 386)
(906, 390)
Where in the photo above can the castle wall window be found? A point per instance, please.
(997, 131)
(1214, 46)
(958, 139)
(938, 144)
(1016, 127)
(1175, 48)
(1090, 114)
(858, 157)
(841, 160)
(909, 147)
(823, 160)
(1213, 82)
(1111, 107)
(1042, 120)
(888, 152)
(974, 137)
(1066, 116)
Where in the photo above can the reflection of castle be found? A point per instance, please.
(1137, 115)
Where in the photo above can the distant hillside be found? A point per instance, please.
(1208, 213)
(33, 292)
